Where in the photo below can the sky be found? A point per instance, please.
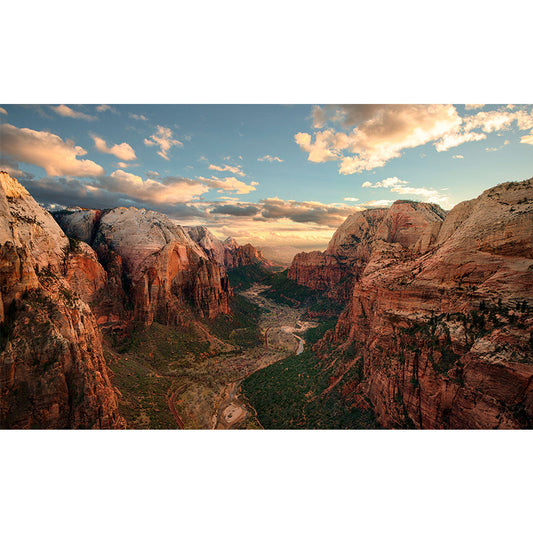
(282, 177)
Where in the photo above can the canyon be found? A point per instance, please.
(413, 317)
(437, 311)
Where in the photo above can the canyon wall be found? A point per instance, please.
(155, 271)
(52, 371)
(438, 320)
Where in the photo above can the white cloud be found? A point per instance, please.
(66, 111)
(46, 150)
(3, 111)
(387, 182)
(148, 190)
(163, 138)
(270, 159)
(122, 151)
(474, 106)
(137, 117)
(398, 186)
(376, 203)
(104, 107)
(527, 139)
(451, 140)
(237, 170)
(382, 132)
(228, 184)
(458, 156)
(350, 199)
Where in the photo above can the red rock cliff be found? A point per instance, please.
(52, 371)
(439, 320)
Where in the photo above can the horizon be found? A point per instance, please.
(282, 177)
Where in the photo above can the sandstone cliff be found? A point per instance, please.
(155, 271)
(52, 371)
(411, 225)
(438, 322)
(228, 253)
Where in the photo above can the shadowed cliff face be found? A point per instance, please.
(52, 372)
(155, 271)
(439, 311)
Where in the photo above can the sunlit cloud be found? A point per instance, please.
(137, 117)
(237, 170)
(66, 111)
(228, 184)
(270, 159)
(350, 199)
(104, 107)
(122, 151)
(48, 151)
(473, 106)
(398, 186)
(365, 137)
(458, 156)
(527, 139)
(162, 138)
(3, 111)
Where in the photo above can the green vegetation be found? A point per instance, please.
(241, 327)
(287, 292)
(290, 394)
(244, 277)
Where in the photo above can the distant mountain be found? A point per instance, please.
(227, 253)
(437, 330)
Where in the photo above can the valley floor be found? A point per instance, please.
(185, 377)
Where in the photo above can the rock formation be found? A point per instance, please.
(438, 317)
(155, 271)
(410, 225)
(52, 371)
(228, 253)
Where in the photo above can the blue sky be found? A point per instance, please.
(270, 174)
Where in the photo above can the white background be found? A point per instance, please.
(271, 52)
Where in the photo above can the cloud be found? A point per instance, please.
(458, 156)
(122, 151)
(305, 212)
(365, 137)
(350, 199)
(3, 111)
(376, 203)
(270, 159)
(398, 186)
(455, 139)
(236, 210)
(163, 138)
(104, 107)
(527, 139)
(66, 111)
(137, 117)
(237, 170)
(46, 150)
(228, 184)
(387, 182)
(171, 191)
(474, 106)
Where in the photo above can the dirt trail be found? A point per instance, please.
(173, 410)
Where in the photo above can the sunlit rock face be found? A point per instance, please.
(439, 316)
(52, 371)
(406, 225)
(155, 270)
(226, 253)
